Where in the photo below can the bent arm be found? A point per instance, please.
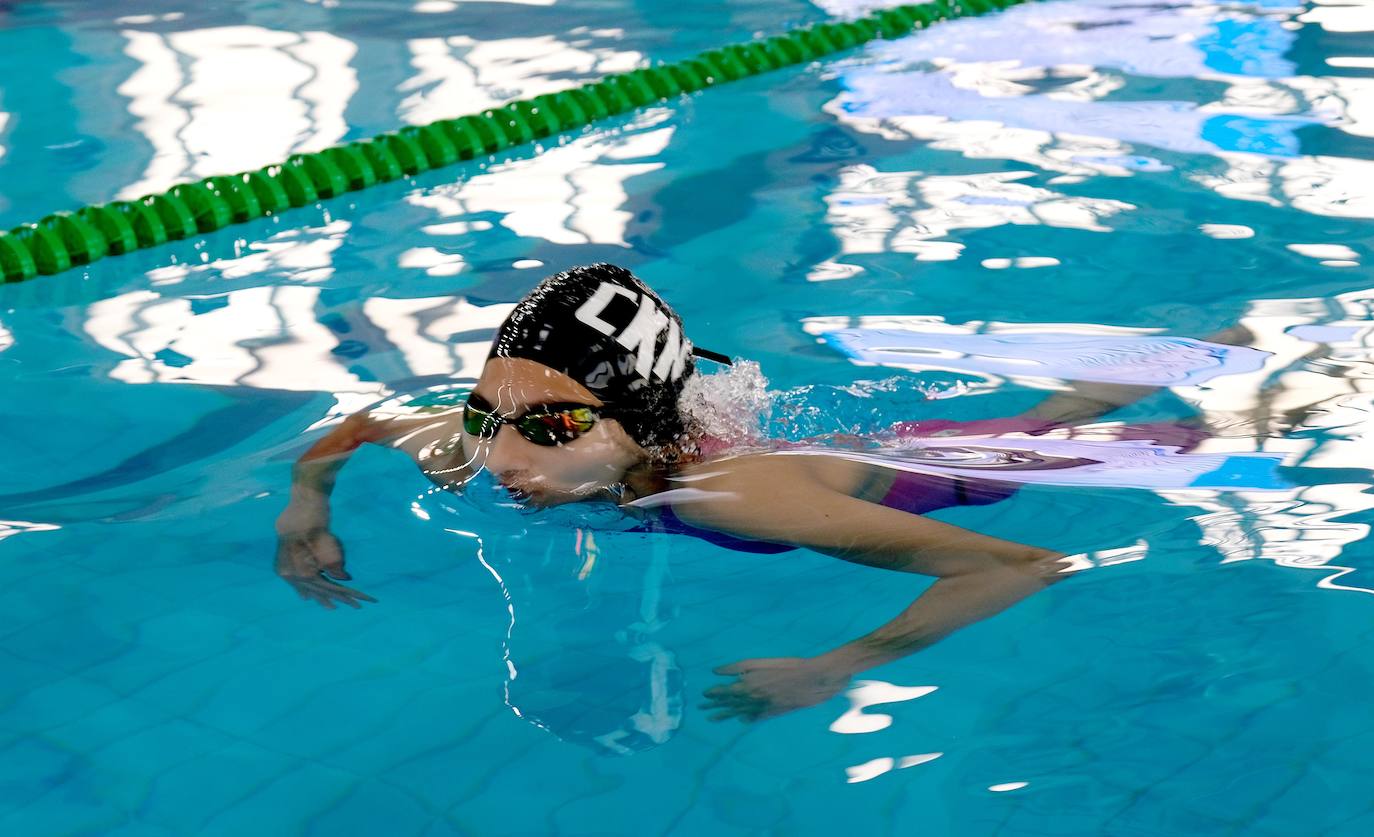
(314, 474)
(781, 498)
(309, 556)
(949, 604)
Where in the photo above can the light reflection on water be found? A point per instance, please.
(1064, 86)
(1007, 152)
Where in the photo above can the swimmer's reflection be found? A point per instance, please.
(579, 401)
(589, 667)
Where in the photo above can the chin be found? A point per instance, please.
(545, 498)
(539, 498)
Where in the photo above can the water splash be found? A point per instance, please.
(736, 406)
(733, 405)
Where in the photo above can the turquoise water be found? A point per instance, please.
(1083, 167)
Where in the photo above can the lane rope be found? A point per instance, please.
(65, 240)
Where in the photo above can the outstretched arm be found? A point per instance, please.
(794, 500)
(309, 556)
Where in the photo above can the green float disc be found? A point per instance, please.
(406, 151)
(271, 195)
(294, 182)
(464, 137)
(556, 113)
(83, 242)
(512, 124)
(236, 191)
(144, 221)
(113, 226)
(324, 175)
(49, 254)
(439, 151)
(16, 262)
(355, 167)
(209, 209)
(541, 121)
(384, 164)
(176, 218)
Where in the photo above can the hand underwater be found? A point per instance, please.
(772, 686)
(309, 556)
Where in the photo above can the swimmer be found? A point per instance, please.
(579, 401)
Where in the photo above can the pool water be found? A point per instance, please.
(1088, 168)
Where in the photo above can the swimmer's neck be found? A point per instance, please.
(650, 477)
(642, 480)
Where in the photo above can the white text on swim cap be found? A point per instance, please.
(641, 335)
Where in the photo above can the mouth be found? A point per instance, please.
(520, 494)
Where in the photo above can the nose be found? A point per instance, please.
(507, 454)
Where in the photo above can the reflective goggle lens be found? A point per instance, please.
(479, 422)
(556, 427)
(543, 426)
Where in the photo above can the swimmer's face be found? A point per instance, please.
(547, 475)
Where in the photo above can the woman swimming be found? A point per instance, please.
(579, 400)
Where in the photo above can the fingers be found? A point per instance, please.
(329, 556)
(734, 668)
(725, 713)
(758, 662)
(725, 716)
(734, 698)
(325, 593)
(317, 598)
(336, 571)
(296, 559)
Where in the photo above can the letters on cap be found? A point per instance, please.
(607, 330)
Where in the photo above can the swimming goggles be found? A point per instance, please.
(547, 424)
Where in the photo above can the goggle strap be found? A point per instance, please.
(707, 354)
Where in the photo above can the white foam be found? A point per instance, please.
(733, 405)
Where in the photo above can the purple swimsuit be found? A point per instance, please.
(918, 492)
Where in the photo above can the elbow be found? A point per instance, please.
(359, 425)
(363, 428)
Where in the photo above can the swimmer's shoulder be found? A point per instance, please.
(774, 473)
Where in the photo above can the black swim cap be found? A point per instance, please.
(605, 329)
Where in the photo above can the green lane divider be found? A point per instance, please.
(68, 239)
